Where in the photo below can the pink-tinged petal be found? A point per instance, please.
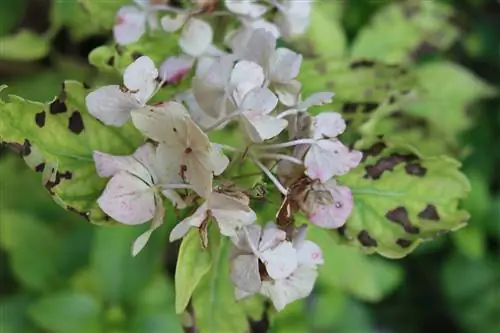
(140, 78)
(284, 65)
(174, 69)
(280, 261)
(328, 125)
(196, 37)
(128, 199)
(328, 158)
(334, 215)
(245, 273)
(130, 25)
(111, 105)
(143, 239)
(309, 254)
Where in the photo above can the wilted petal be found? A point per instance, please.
(336, 214)
(140, 78)
(130, 25)
(174, 69)
(111, 105)
(199, 172)
(271, 237)
(247, 238)
(328, 125)
(245, 273)
(128, 199)
(284, 65)
(328, 158)
(280, 261)
(231, 214)
(196, 37)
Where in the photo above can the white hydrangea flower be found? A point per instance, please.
(184, 149)
(268, 246)
(294, 16)
(112, 104)
(196, 36)
(230, 214)
(132, 21)
(132, 195)
(248, 8)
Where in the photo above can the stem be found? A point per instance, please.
(174, 186)
(288, 144)
(288, 113)
(282, 157)
(271, 177)
(222, 121)
(227, 147)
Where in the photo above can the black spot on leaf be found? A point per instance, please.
(404, 243)
(366, 240)
(57, 106)
(111, 61)
(59, 176)
(373, 150)
(429, 213)
(400, 216)
(423, 49)
(26, 148)
(362, 63)
(40, 119)
(75, 123)
(83, 214)
(392, 100)
(387, 163)
(341, 230)
(350, 107)
(369, 107)
(40, 167)
(136, 55)
(415, 169)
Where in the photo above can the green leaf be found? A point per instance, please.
(404, 31)
(348, 269)
(193, 263)
(14, 314)
(471, 241)
(293, 319)
(69, 14)
(102, 13)
(448, 90)
(10, 14)
(401, 198)
(215, 307)
(120, 276)
(67, 312)
(23, 46)
(59, 138)
(32, 247)
(315, 42)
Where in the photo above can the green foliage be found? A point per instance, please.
(394, 210)
(73, 181)
(23, 46)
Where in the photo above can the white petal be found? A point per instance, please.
(219, 160)
(199, 116)
(172, 24)
(199, 172)
(247, 238)
(180, 230)
(130, 25)
(328, 125)
(210, 98)
(284, 65)
(334, 215)
(240, 294)
(309, 254)
(245, 273)
(316, 99)
(128, 199)
(111, 105)
(263, 127)
(174, 69)
(299, 285)
(108, 165)
(195, 220)
(219, 73)
(143, 239)
(328, 158)
(289, 93)
(259, 48)
(271, 237)
(259, 101)
(246, 7)
(140, 78)
(196, 37)
(247, 72)
(281, 261)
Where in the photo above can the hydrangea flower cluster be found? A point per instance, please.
(252, 91)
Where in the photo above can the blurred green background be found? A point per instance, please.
(58, 273)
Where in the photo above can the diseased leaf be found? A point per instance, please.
(23, 46)
(67, 312)
(193, 263)
(404, 31)
(215, 308)
(447, 91)
(401, 198)
(59, 138)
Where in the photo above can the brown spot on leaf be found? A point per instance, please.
(40, 119)
(400, 216)
(75, 123)
(366, 240)
(362, 63)
(85, 215)
(387, 163)
(40, 167)
(429, 213)
(373, 150)
(57, 106)
(59, 176)
(404, 243)
(415, 169)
